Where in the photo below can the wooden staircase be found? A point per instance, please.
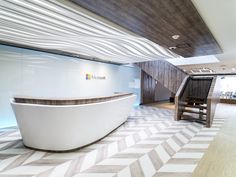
(195, 108)
(196, 99)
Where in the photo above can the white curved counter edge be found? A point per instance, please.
(67, 127)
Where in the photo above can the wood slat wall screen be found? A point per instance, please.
(165, 73)
(152, 91)
(147, 88)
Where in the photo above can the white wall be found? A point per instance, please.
(28, 72)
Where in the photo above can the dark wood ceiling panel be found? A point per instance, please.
(158, 21)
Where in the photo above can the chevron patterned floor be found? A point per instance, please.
(149, 144)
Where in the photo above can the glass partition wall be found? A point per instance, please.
(228, 87)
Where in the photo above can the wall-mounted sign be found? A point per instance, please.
(94, 77)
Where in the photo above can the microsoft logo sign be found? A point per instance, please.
(94, 77)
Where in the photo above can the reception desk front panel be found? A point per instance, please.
(67, 127)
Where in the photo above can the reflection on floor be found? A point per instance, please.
(163, 104)
(150, 143)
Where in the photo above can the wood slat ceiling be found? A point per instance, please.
(158, 21)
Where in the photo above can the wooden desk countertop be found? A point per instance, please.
(67, 101)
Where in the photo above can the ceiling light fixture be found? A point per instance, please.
(176, 36)
(172, 48)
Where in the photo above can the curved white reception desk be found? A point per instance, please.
(62, 124)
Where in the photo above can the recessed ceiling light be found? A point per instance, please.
(175, 36)
(172, 48)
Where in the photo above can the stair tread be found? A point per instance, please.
(195, 101)
(189, 117)
(195, 98)
(194, 106)
(193, 111)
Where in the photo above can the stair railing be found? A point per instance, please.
(213, 99)
(179, 97)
